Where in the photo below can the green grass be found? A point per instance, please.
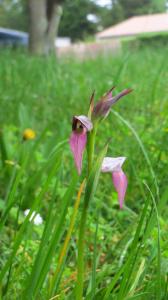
(126, 250)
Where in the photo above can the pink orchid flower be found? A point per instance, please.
(80, 126)
(114, 166)
(103, 106)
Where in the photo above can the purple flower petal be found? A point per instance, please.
(120, 184)
(77, 143)
(103, 106)
(117, 97)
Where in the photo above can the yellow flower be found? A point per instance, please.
(29, 134)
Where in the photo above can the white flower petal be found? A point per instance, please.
(26, 212)
(111, 164)
(37, 218)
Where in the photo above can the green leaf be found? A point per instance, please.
(45, 256)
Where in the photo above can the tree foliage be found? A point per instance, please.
(138, 7)
(14, 14)
(74, 22)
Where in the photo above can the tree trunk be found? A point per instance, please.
(38, 26)
(54, 12)
(44, 21)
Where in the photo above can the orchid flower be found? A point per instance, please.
(78, 139)
(103, 106)
(81, 127)
(114, 166)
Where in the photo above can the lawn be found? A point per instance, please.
(126, 250)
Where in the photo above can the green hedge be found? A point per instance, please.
(159, 40)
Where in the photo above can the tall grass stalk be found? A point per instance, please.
(63, 251)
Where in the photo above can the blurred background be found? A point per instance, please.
(85, 27)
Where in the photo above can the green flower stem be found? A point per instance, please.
(90, 147)
(80, 262)
(81, 242)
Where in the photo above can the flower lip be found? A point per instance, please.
(83, 121)
(78, 139)
(77, 144)
(111, 164)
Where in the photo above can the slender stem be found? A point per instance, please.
(80, 262)
(81, 240)
(90, 147)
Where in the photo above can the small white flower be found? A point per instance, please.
(37, 219)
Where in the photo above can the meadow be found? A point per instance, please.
(126, 250)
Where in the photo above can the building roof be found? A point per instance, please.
(136, 26)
